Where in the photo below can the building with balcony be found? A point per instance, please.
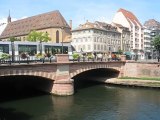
(152, 29)
(129, 20)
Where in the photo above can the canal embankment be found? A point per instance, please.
(134, 82)
(139, 82)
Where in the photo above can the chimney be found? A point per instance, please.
(70, 24)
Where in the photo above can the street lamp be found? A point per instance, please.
(62, 38)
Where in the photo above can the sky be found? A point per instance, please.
(79, 10)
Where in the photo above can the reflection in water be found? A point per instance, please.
(98, 102)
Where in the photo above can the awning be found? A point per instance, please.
(129, 53)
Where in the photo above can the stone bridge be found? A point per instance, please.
(60, 73)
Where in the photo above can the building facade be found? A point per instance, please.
(147, 42)
(129, 20)
(52, 23)
(125, 37)
(152, 29)
(96, 37)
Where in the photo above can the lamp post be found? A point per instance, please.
(40, 47)
(122, 43)
(62, 38)
(12, 49)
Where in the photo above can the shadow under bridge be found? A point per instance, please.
(94, 77)
(24, 85)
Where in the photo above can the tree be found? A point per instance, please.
(38, 36)
(156, 44)
(120, 51)
(12, 39)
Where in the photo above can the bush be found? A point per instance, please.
(24, 55)
(5, 56)
(90, 56)
(48, 55)
(40, 56)
(75, 56)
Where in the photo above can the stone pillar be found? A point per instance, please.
(63, 87)
(63, 84)
(123, 57)
(62, 58)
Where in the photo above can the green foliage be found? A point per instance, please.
(40, 56)
(120, 51)
(75, 56)
(38, 36)
(156, 43)
(90, 56)
(12, 39)
(5, 56)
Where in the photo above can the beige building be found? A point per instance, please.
(125, 37)
(96, 37)
(52, 23)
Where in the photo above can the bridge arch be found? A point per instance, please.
(93, 67)
(28, 72)
(22, 83)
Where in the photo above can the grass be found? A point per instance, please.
(142, 78)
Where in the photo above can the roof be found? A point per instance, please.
(152, 24)
(96, 25)
(88, 25)
(21, 27)
(130, 16)
(120, 26)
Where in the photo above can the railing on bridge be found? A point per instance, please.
(53, 59)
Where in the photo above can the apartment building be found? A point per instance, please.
(96, 37)
(129, 20)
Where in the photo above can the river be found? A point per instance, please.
(97, 102)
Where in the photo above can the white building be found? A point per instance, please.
(96, 37)
(129, 20)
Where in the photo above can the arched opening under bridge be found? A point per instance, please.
(22, 86)
(94, 77)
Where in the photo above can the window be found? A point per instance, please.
(101, 47)
(104, 47)
(94, 39)
(57, 36)
(4, 48)
(95, 48)
(98, 47)
(89, 47)
(55, 49)
(30, 49)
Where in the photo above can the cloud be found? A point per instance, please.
(3, 23)
(94, 12)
